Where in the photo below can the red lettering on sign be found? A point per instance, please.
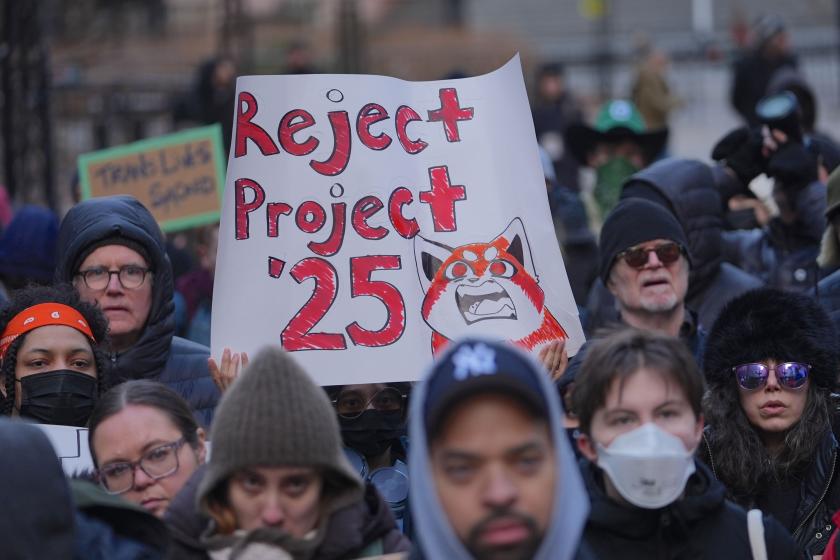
(405, 115)
(292, 122)
(370, 114)
(361, 285)
(246, 130)
(297, 335)
(366, 207)
(450, 113)
(340, 156)
(243, 208)
(442, 198)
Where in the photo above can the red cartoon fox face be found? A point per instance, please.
(485, 289)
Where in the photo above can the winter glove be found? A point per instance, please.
(740, 150)
(793, 164)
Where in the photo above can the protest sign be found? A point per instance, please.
(367, 220)
(178, 177)
(71, 446)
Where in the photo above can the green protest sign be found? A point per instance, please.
(178, 177)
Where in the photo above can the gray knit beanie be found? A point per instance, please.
(275, 415)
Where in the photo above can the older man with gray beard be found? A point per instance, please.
(645, 264)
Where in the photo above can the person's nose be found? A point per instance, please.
(141, 479)
(501, 490)
(653, 260)
(272, 512)
(114, 286)
(772, 381)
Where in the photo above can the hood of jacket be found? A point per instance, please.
(348, 529)
(27, 248)
(100, 218)
(434, 534)
(687, 188)
(38, 521)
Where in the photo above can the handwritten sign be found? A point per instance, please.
(71, 446)
(368, 221)
(178, 177)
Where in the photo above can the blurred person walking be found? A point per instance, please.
(651, 92)
(753, 71)
(638, 399)
(113, 252)
(278, 483)
(52, 368)
(27, 249)
(554, 109)
(492, 475)
(771, 363)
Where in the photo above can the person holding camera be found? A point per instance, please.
(783, 250)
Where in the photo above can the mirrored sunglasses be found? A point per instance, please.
(791, 375)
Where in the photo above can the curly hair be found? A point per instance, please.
(34, 295)
(737, 454)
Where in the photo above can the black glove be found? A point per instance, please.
(740, 150)
(793, 164)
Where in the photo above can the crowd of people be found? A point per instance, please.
(699, 420)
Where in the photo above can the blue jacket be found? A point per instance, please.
(158, 354)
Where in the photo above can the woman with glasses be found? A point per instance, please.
(51, 367)
(145, 443)
(771, 362)
(372, 420)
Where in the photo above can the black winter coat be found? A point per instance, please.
(350, 531)
(828, 294)
(819, 497)
(700, 525)
(783, 256)
(158, 355)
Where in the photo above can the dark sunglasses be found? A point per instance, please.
(791, 375)
(667, 253)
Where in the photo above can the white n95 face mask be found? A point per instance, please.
(648, 466)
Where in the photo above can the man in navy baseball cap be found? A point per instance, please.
(492, 472)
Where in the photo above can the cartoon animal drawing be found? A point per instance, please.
(488, 289)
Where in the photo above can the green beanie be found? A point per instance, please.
(275, 415)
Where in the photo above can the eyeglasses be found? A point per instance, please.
(131, 277)
(157, 463)
(667, 253)
(352, 405)
(791, 375)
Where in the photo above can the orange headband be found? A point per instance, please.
(42, 315)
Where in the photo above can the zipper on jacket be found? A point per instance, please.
(825, 491)
(709, 453)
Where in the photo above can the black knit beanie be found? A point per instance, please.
(112, 240)
(635, 221)
(771, 324)
(275, 415)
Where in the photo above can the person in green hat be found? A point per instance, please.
(618, 145)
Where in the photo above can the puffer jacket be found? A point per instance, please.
(819, 496)
(783, 256)
(700, 525)
(158, 355)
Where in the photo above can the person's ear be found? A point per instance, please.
(587, 447)
(3, 385)
(201, 452)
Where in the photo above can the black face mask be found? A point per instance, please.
(62, 397)
(373, 432)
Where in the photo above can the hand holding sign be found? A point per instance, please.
(363, 254)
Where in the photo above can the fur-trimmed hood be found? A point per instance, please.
(769, 323)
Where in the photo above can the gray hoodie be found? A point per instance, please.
(435, 535)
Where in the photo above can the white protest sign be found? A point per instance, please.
(368, 220)
(71, 446)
